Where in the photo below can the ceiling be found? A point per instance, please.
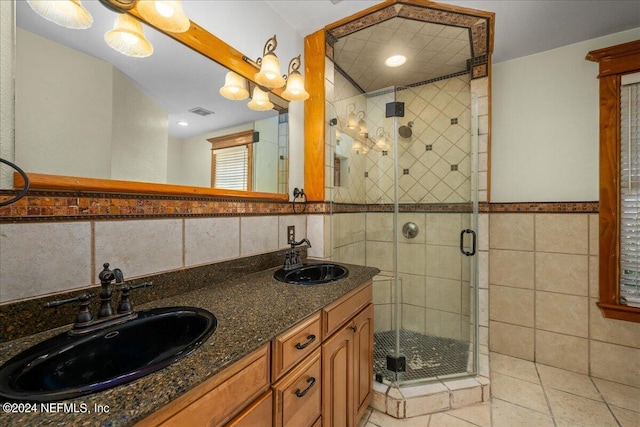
(432, 51)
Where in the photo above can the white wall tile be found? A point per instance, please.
(258, 234)
(139, 247)
(208, 240)
(37, 259)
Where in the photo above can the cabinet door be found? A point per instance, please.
(363, 361)
(259, 413)
(337, 379)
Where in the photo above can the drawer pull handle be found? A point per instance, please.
(311, 382)
(311, 338)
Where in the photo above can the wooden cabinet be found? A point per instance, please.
(347, 371)
(317, 373)
(297, 396)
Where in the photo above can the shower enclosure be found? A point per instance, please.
(404, 199)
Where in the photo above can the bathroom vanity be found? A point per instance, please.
(283, 354)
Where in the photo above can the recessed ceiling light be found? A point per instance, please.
(183, 124)
(395, 60)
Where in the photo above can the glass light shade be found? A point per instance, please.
(269, 74)
(164, 14)
(363, 127)
(382, 144)
(352, 121)
(234, 87)
(356, 146)
(260, 100)
(66, 13)
(295, 88)
(127, 37)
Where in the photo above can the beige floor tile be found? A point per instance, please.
(625, 417)
(520, 392)
(619, 395)
(445, 420)
(568, 381)
(505, 414)
(513, 367)
(570, 408)
(383, 420)
(479, 415)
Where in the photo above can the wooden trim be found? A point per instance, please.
(314, 117)
(210, 46)
(250, 167)
(232, 140)
(613, 62)
(40, 181)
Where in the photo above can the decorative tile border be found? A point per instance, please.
(64, 206)
(545, 207)
(44, 206)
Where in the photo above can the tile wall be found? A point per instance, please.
(543, 283)
(44, 258)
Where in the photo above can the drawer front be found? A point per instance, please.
(249, 379)
(340, 311)
(259, 413)
(298, 395)
(295, 344)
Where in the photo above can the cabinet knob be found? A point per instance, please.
(354, 328)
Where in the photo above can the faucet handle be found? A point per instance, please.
(84, 315)
(117, 274)
(125, 302)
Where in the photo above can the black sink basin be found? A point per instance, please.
(67, 366)
(312, 274)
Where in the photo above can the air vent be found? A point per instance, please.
(200, 111)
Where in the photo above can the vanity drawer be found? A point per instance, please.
(339, 312)
(296, 343)
(297, 396)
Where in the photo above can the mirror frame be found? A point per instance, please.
(203, 42)
(320, 44)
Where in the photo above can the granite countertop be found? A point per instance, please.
(251, 310)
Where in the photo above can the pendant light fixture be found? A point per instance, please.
(260, 100)
(234, 87)
(383, 140)
(164, 14)
(295, 83)
(352, 120)
(127, 37)
(66, 13)
(269, 75)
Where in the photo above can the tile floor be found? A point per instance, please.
(530, 394)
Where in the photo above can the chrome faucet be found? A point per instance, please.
(84, 322)
(292, 257)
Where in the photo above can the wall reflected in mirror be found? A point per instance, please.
(83, 109)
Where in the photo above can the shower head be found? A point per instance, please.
(405, 131)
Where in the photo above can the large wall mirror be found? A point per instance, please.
(86, 110)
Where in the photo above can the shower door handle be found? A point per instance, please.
(473, 242)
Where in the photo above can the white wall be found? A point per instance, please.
(56, 86)
(544, 145)
(140, 133)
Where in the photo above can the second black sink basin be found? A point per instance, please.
(312, 274)
(67, 366)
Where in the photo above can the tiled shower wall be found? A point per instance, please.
(51, 257)
(543, 287)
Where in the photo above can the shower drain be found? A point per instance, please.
(427, 356)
